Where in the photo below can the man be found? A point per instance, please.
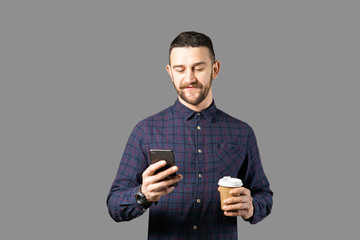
(208, 144)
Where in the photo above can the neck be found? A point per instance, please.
(201, 106)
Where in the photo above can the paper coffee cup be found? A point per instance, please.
(226, 184)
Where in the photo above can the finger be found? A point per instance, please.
(239, 191)
(169, 190)
(169, 182)
(235, 213)
(235, 200)
(236, 207)
(153, 167)
(161, 185)
(161, 175)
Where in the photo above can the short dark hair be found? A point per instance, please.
(193, 39)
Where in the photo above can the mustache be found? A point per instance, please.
(194, 85)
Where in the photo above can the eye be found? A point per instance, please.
(180, 70)
(199, 69)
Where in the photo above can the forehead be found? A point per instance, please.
(189, 55)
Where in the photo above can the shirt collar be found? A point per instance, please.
(187, 113)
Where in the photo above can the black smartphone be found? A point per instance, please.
(161, 154)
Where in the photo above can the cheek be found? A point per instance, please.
(176, 79)
(205, 77)
(175, 83)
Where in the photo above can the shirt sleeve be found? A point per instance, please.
(121, 202)
(256, 181)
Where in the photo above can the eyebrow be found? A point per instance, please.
(194, 65)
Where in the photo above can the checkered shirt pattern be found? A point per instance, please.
(208, 145)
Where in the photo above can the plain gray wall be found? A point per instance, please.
(76, 76)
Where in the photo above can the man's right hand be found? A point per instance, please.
(154, 186)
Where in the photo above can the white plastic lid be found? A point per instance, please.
(230, 182)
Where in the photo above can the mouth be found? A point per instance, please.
(191, 89)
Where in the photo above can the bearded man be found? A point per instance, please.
(208, 144)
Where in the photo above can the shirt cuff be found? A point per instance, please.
(258, 213)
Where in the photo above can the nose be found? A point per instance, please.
(190, 76)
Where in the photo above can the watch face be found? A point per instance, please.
(139, 196)
(141, 199)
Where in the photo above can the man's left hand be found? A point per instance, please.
(240, 204)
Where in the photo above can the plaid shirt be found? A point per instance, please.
(208, 145)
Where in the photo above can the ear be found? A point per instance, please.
(216, 69)
(168, 69)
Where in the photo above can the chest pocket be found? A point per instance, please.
(230, 158)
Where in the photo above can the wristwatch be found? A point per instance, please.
(141, 199)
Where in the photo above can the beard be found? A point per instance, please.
(195, 96)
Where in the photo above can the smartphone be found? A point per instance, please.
(161, 154)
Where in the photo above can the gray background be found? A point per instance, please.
(76, 76)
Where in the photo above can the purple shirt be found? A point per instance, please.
(208, 145)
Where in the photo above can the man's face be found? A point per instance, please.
(192, 72)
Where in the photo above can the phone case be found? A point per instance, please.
(160, 154)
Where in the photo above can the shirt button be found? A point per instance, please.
(198, 200)
(194, 227)
(198, 114)
(199, 151)
(200, 175)
(198, 127)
